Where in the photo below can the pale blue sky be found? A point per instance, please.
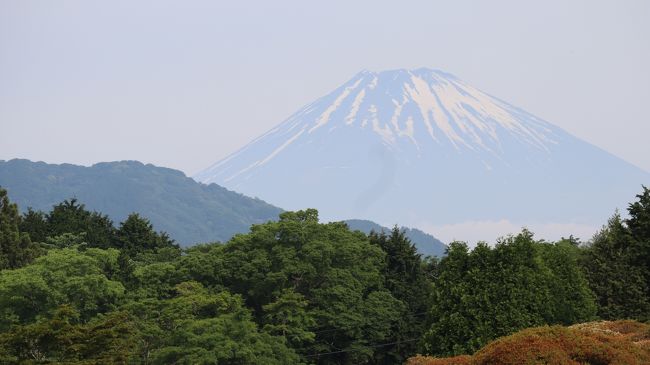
(184, 83)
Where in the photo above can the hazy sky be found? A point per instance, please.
(184, 83)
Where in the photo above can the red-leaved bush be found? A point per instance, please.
(594, 343)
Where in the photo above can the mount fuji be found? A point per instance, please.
(423, 148)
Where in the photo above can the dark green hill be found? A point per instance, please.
(189, 211)
(424, 242)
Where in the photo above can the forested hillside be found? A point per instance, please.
(189, 211)
(77, 289)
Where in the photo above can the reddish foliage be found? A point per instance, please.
(595, 343)
(423, 360)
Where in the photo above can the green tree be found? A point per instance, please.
(34, 223)
(16, 249)
(197, 326)
(337, 273)
(639, 221)
(203, 263)
(571, 300)
(639, 226)
(449, 323)
(614, 275)
(66, 240)
(492, 292)
(136, 235)
(63, 338)
(60, 277)
(156, 280)
(288, 316)
(405, 276)
(72, 217)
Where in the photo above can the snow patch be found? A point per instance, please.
(325, 117)
(355, 107)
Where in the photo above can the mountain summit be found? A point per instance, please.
(422, 147)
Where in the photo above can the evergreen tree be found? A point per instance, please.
(639, 221)
(449, 327)
(71, 217)
(16, 249)
(405, 277)
(571, 300)
(492, 292)
(639, 226)
(136, 235)
(614, 274)
(34, 223)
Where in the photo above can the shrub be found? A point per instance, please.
(615, 343)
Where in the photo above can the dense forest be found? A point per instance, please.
(77, 289)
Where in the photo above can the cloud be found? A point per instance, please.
(474, 231)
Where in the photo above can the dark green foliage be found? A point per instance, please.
(288, 316)
(615, 275)
(425, 243)
(639, 226)
(639, 221)
(405, 276)
(72, 217)
(196, 326)
(63, 338)
(293, 291)
(136, 235)
(321, 279)
(189, 211)
(492, 292)
(617, 263)
(16, 249)
(571, 299)
(34, 223)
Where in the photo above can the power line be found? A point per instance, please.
(364, 347)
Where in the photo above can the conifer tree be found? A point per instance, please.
(71, 217)
(618, 282)
(136, 234)
(16, 249)
(639, 226)
(34, 223)
(405, 277)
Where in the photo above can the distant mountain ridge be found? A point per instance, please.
(424, 148)
(424, 242)
(189, 211)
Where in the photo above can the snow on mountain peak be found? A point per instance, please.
(413, 146)
(421, 106)
(424, 108)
